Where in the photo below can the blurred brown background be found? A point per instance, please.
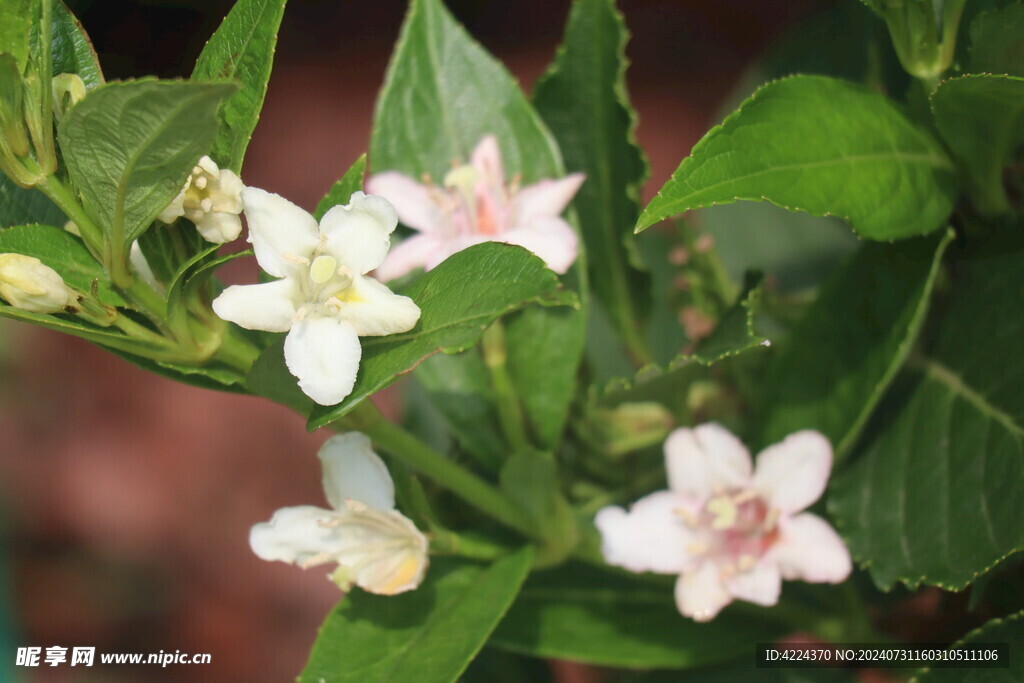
(126, 499)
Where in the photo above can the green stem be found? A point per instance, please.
(510, 413)
(66, 201)
(435, 466)
(137, 331)
(236, 351)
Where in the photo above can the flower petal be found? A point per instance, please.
(760, 585)
(296, 535)
(218, 227)
(324, 354)
(174, 210)
(544, 199)
(374, 310)
(486, 159)
(352, 471)
(411, 200)
(552, 239)
(809, 549)
(793, 473)
(705, 459)
(269, 306)
(651, 537)
(358, 235)
(412, 253)
(229, 197)
(381, 551)
(700, 593)
(278, 228)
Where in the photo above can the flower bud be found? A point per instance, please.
(27, 283)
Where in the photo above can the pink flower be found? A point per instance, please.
(476, 205)
(730, 532)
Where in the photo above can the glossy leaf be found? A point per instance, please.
(823, 146)
(841, 357)
(460, 388)
(938, 493)
(981, 118)
(795, 251)
(734, 334)
(241, 50)
(429, 634)
(458, 300)
(530, 480)
(341, 192)
(423, 122)
(15, 22)
(584, 614)
(1008, 630)
(20, 206)
(129, 147)
(73, 52)
(996, 46)
(63, 252)
(584, 102)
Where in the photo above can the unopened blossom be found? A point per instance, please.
(474, 205)
(211, 198)
(323, 299)
(730, 531)
(31, 285)
(375, 546)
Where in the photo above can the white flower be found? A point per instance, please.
(475, 205)
(211, 198)
(323, 299)
(31, 285)
(375, 546)
(728, 532)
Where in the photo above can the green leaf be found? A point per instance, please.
(794, 250)
(68, 324)
(63, 252)
(130, 146)
(458, 300)
(982, 120)
(241, 50)
(843, 354)
(460, 388)
(270, 378)
(938, 493)
(996, 46)
(15, 23)
(1009, 630)
(734, 334)
(340, 193)
(214, 377)
(583, 100)
(585, 614)
(422, 121)
(72, 50)
(429, 634)
(823, 146)
(444, 93)
(530, 480)
(544, 349)
(20, 206)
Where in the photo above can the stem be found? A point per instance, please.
(467, 486)
(510, 413)
(65, 200)
(236, 351)
(137, 331)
